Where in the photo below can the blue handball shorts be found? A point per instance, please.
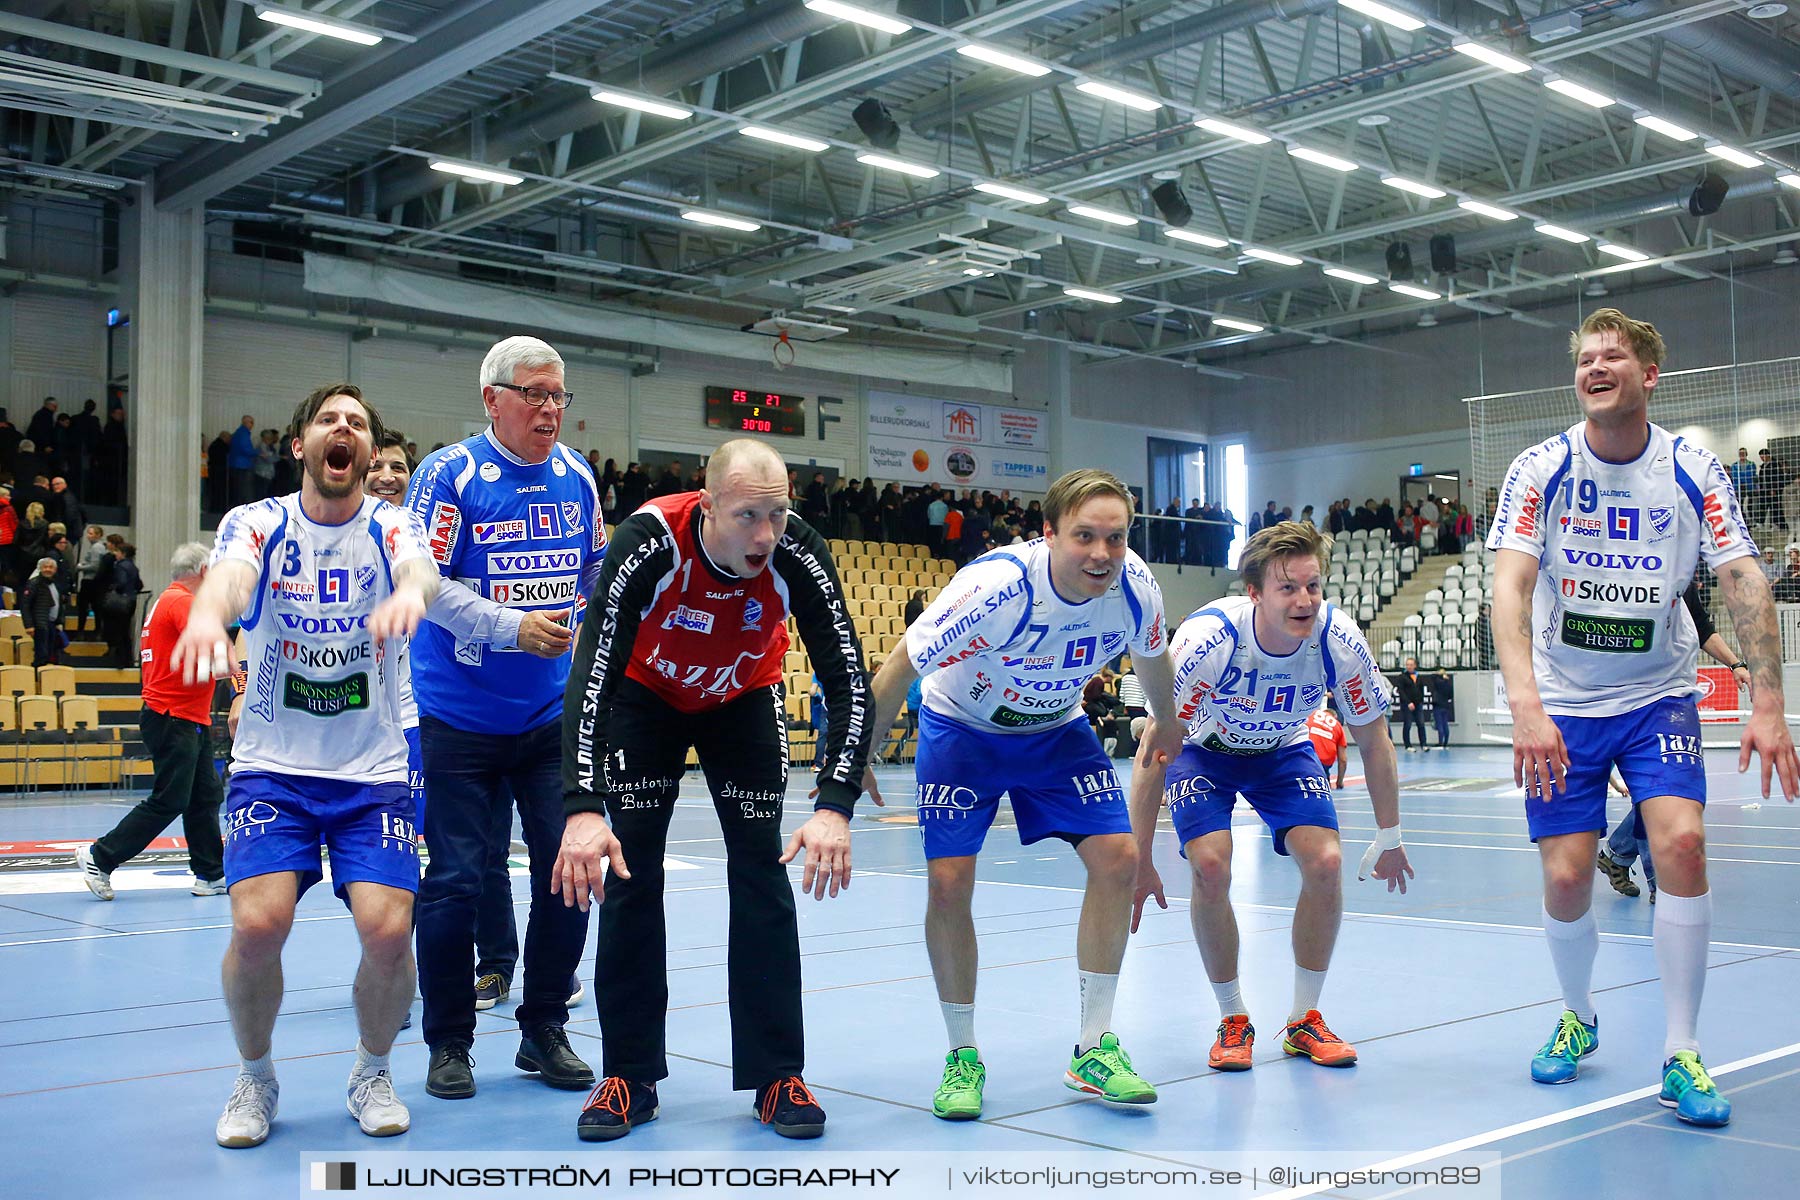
(1286, 787)
(1657, 751)
(415, 776)
(278, 822)
(1061, 783)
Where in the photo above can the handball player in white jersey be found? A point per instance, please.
(325, 581)
(1005, 651)
(1597, 531)
(1249, 673)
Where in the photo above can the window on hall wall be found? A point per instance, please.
(1237, 496)
(1177, 474)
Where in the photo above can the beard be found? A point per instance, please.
(351, 455)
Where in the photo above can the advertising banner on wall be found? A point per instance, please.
(926, 439)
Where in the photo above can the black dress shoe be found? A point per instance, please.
(614, 1107)
(544, 1051)
(450, 1076)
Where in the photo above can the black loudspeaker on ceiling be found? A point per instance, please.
(1708, 195)
(1443, 254)
(877, 124)
(1399, 261)
(1172, 204)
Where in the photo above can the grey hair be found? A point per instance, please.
(47, 560)
(189, 559)
(505, 358)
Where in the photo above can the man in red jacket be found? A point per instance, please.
(176, 724)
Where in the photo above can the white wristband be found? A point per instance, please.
(1385, 840)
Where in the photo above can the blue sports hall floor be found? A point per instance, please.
(116, 1055)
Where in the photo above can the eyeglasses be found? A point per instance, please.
(538, 397)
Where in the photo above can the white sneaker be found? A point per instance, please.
(98, 882)
(376, 1109)
(245, 1121)
(577, 990)
(207, 887)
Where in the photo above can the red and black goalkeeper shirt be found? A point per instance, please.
(665, 615)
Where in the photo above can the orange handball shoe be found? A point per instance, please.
(1231, 1052)
(1310, 1038)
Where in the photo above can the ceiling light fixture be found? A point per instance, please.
(1415, 187)
(861, 16)
(999, 58)
(1384, 14)
(763, 133)
(1349, 276)
(1199, 239)
(1240, 326)
(69, 175)
(474, 171)
(1579, 94)
(1668, 129)
(344, 31)
(1733, 155)
(1242, 133)
(1624, 252)
(882, 161)
(1102, 214)
(1090, 294)
(1492, 212)
(1007, 191)
(1561, 234)
(701, 217)
(1118, 95)
(1274, 256)
(1493, 57)
(1321, 159)
(656, 108)
(1413, 290)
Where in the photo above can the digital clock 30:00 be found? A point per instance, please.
(748, 410)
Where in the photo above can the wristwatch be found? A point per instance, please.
(1739, 663)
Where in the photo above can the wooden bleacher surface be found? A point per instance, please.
(877, 576)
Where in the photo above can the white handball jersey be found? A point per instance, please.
(1000, 650)
(1616, 545)
(1237, 698)
(320, 699)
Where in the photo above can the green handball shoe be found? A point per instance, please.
(1105, 1071)
(959, 1095)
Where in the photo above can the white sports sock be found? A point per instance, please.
(1307, 986)
(259, 1068)
(1231, 999)
(959, 1023)
(1573, 945)
(1097, 992)
(1683, 927)
(366, 1063)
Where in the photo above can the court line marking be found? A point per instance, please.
(1475, 1141)
(1286, 908)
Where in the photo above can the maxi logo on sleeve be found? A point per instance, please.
(329, 698)
(1614, 635)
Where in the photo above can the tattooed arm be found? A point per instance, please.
(1752, 609)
